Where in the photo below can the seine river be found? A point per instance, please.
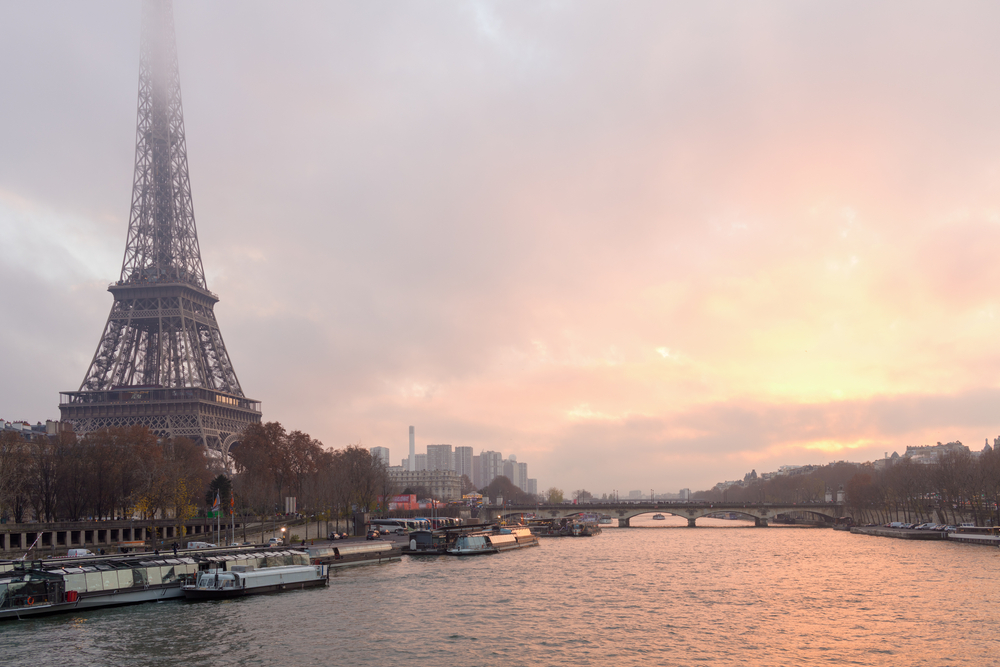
(722, 594)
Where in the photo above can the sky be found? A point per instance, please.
(639, 245)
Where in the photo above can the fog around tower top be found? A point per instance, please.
(642, 245)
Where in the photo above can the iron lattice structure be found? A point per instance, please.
(161, 361)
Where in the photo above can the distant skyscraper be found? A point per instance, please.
(477, 473)
(521, 473)
(463, 462)
(439, 457)
(491, 466)
(533, 487)
(380, 453)
(419, 462)
(413, 451)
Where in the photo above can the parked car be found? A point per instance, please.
(373, 535)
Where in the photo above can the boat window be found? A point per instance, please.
(125, 579)
(110, 580)
(167, 574)
(154, 576)
(76, 582)
(139, 577)
(95, 582)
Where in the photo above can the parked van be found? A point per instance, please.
(200, 545)
(76, 553)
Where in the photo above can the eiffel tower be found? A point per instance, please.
(161, 361)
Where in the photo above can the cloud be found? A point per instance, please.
(659, 240)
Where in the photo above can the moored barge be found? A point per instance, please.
(470, 540)
(243, 580)
(33, 588)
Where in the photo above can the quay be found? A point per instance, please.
(55, 538)
(898, 533)
(980, 538)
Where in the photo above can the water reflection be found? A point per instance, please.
(752, 596)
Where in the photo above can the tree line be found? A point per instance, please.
(272, 464)
(130, 473)
(118, 472)
(958, 485)
(795, 488)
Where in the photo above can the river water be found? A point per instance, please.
(720, 594)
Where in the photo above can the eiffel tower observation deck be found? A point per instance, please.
(161, 361)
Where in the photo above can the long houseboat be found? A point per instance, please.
(33, 588)
(468, 540)
(358, 553)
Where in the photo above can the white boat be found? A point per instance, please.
(659, 517)
(243, 580)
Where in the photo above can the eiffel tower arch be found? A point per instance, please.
(161, 361)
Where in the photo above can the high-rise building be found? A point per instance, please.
(440, 457)
(463, 462)
(533, 487)
(477, 473)
(380, 453)
(412, 461)
(419, 462)
(491, 466)
(516, 472)
(161, 362)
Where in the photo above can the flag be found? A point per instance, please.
(217, 503)
(232, 503)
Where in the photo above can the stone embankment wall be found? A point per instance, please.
(54, 539)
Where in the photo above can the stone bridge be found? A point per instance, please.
(761, 513)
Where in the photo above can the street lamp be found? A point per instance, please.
(282, 534)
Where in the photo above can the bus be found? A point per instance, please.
(399, 526)
(443, 522)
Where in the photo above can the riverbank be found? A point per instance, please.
(911, 534)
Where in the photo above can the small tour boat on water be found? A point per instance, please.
(243, 580)
(659, 517)
(501, 538)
